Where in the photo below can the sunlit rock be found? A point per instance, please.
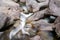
(35, 5)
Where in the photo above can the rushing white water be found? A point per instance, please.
(23, 18)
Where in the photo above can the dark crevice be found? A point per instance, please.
(55, 37)
(37, 1)
(18, 1)
(16, 19)
(42, 8)
(47, 16)
(6, 25)
(51, 20)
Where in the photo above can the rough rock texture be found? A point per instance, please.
(54, 8)
(40, 25)
(2, 19)
(35, 5)
(37, 37)
(37, 15)
(58, 29)
(57, 25)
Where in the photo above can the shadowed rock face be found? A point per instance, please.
(7, 20)
(4, 22)
(58, 29)
(8, 14)
(57, 25)
(2, 19)
(57, 20)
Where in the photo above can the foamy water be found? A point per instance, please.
(23, 18)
